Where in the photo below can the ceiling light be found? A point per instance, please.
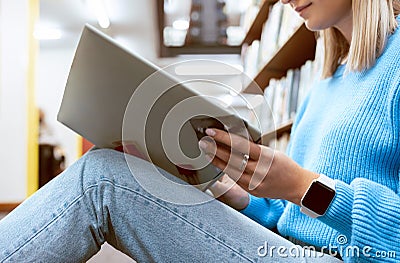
(47, 34)
(99, 10)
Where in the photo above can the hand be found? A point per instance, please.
(227, 191)
(267, 173)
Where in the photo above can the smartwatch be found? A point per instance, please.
(319, 195)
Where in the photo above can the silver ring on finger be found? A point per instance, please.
(244, 162)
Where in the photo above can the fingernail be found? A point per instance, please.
(202, 145)
(210, 132)
(208, 157)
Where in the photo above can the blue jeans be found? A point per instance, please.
(97, 200)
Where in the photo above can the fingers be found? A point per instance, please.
(232, 159)
(236, 142)
(217, 189)
(240, 177)
(220, 187)
(227, 152)
(262, 167)
(249, 181)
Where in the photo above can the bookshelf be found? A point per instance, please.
(293, 54)
(255, 29)
(278, 132)
(295, 51)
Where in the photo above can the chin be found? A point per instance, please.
(312, 26)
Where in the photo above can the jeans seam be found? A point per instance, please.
(182, 218)
(74, 201)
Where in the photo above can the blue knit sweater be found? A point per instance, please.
(349, 129)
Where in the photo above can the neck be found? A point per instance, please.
(346, 27)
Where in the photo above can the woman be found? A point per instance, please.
(348, 130)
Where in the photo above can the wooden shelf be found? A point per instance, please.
(256, 27)
(277, 133)
(294, 53)
(8, 207)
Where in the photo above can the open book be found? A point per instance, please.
(116, 99)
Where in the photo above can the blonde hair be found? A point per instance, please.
(369, 36)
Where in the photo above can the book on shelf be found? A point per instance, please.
(287, 94)
(294, 98)
(289, 102)
(247, 19)
(282, 22)
(270, 35)
(290, 22)
(250, 59)
(269, 95)
(283, 96)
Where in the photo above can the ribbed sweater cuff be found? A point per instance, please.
(339, 214)
(256, 204)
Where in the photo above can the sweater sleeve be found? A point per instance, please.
(264, 211)
(367, 215)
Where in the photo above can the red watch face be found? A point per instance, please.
(318, 198)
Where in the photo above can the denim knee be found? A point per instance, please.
(105, 165)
